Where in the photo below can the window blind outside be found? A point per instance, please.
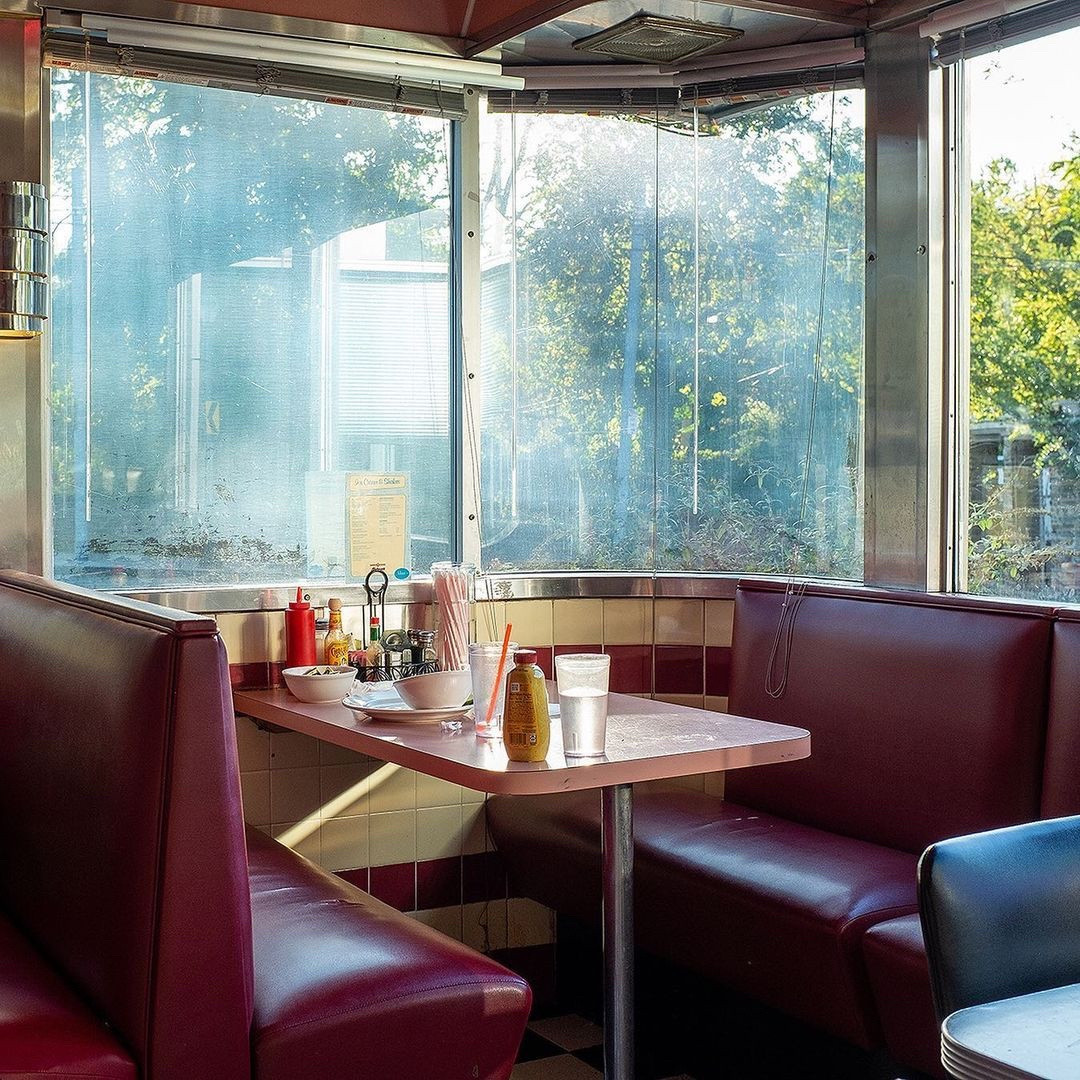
(79, 53)
(984, 37)
(717, 97)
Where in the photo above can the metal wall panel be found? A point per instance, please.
(23, 415)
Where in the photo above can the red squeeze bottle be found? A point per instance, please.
(299, 633)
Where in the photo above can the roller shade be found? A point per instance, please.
(1004, 28)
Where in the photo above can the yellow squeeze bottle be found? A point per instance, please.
(526, 725)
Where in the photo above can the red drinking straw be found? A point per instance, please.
(499, 676)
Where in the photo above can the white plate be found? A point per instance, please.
(398, 712)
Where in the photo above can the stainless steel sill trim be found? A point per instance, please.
(493, 587)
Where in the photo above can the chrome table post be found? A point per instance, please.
(618, 872)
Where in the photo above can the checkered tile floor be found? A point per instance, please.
(570, 1048)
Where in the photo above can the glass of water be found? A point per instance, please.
(583, 702)
(484, 665)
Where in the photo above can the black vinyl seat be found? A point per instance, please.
(1001, 919)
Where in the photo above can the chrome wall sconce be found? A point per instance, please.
(24, 259)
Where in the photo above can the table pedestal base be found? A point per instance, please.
(618, 873)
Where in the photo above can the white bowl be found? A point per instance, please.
(436, 690)
(319, 688)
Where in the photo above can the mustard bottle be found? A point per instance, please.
(526, 725)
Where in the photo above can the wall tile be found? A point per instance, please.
(252, 745)
(275, 636)
(528, 923)
(394, 885)
(570, 650)
(484, 925)
(391, 788)
(577, 622)
(246, 636)
(303, 837)
(250, 676)
(489, 620)
(343, 789)
(345, 843)
(431, 791)
(438, 832)
(690, 783)
(473, 828)
(392, 838)
(447, 920)
(628, 622)
(483, 877)
(438, 883)
(357, 876)
(717, 669)
(631, 668)
(294, 793)
(255, 788)
(469, 795)
(680, 669)
(719, 619)
(544, 662)
(715, 703)
(532, 622)
(291, 750)
(680, 622)
(329, 754)
(692, 701)
(714, 784)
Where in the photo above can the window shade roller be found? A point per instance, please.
(985, 34)
(64, 50)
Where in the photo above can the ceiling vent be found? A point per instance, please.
(653, 39)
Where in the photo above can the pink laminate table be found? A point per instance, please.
(646, 740)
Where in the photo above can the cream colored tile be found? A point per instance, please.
(716, 704)
(468, 795)
(438, 832)
(578, 622)
(329, 754)
(490, 620)
(483, 925)
(528, 923)
(473, 828)
(628, 622)
(690, 783)
(392, 788)
(255, 788)
(246, 636)
(303, 837)
(275, 636)
(532, 622)
(719, 619)
(343, 789)
(252, 745)
(569, 1032)
(294, 794)
(431, 791)
(714, 783)
(695, 701)
(680, 622)
(447, 920)
(291, 750)
(344, 843)
(392, 838)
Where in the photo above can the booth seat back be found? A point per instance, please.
(926, 713)
(1061, 773)
(121, 837)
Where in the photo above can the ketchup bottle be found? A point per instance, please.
(299, 633)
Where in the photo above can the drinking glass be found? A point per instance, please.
(484, 665)
(583, 702)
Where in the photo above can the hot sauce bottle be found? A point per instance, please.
(526, 725)
(336, 645)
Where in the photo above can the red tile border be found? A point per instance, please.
(717, 669)
(438, 883)
(394, 885)
(680, 669)
(251, 676)
(357, 877)
(483, 877)
(566, 650)
(631, 669)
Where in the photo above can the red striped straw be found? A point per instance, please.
(498, 676)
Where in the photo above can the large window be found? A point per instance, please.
(1024, 475)
(672, 340)
(250, 336)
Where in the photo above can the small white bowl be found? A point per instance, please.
(436, 690)
(315, 689)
